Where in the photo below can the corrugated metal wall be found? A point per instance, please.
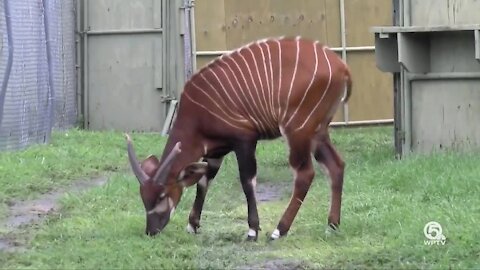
(223, 25)
(38, 95)
(133, 62)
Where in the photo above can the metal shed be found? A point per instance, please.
(132, 61)
(434, 54)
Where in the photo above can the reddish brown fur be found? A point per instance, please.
(224, 108)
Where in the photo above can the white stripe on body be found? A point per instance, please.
(272, 92)
(324, 92)
(270, 85)
(214, 102)
(210, 111)
(240, 100)
(264, 94)
(268, 82)
(263, 107)
(262, 116)
(224, 90)
(293, 80)
(220, 97)
(260, 126)
(309, 86)
(279, 77)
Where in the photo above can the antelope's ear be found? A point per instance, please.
(192, 173)
(150, 165)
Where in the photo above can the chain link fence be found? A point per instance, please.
(37, 69)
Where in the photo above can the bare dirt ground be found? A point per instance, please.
(278, 265)
(267, 192)
(28, 212)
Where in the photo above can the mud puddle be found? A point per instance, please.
(21, 213)
(278, 265)
(267, 192)
(4, 244)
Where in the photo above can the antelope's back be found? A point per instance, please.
(265, 85)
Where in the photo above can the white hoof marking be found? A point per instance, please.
(190, 228)
(252, 233)
(276, 234)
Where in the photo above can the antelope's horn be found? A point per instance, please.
(132, 157)
(162, 172)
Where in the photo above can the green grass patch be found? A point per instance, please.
(386, 204)
(72, 154)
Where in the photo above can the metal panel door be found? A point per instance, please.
(123, 59)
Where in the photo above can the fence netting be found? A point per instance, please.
(40, 92)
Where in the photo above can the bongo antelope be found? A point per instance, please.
(288, 87)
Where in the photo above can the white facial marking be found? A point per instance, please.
(160, 207)
(190, 228)
(276, 234)
(252, 233)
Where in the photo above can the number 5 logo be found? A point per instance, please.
(433, 231)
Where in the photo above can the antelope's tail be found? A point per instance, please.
(348, 80)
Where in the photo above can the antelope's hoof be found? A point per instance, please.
(332, 230)
(275, 235)
(252, 238)
(252, 235)
(193, 229)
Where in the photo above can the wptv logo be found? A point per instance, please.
(434, 234)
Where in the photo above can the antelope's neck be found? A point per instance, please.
(191, 149)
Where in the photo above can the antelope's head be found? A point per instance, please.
(161, 187)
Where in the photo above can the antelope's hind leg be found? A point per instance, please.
(202, 188)
(325, 153)
(301, 163)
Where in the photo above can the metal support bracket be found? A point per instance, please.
(170, 117)
(477, 44)
(166, 98)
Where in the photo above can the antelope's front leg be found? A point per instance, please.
(202, 188)
(247, 166)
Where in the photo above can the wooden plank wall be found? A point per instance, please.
(228, 24)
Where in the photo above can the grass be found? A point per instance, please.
(386, 204)
(72, 155)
